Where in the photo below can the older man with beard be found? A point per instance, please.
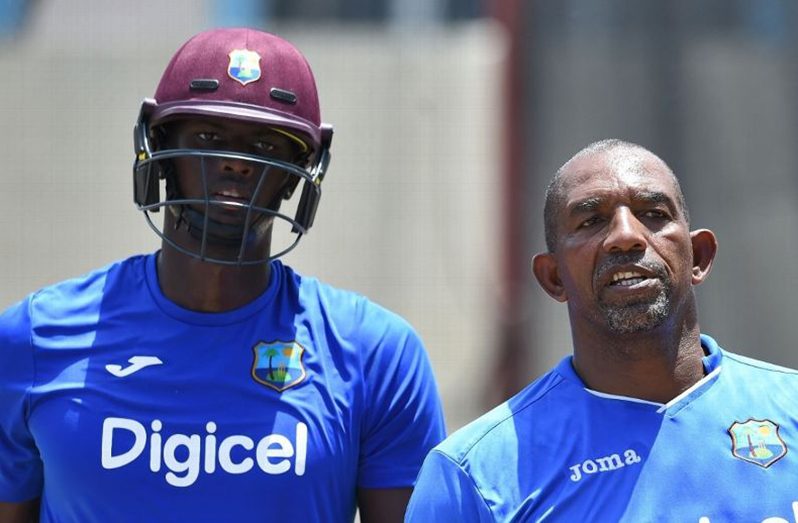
(649, 419)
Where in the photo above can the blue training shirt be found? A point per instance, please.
(726, 450)
(116, 405)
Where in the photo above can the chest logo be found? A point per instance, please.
(278, 364)
(136, 364)
(757, 441)
(244, 66)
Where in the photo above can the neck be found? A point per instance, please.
(209, 287)
(654, 365)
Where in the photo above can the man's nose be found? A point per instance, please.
(237, 166)
(626, 233)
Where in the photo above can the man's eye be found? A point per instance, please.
(590, 221)
(265, 146)
(655, 213)
(207, 136)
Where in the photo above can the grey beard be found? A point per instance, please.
(638, 317)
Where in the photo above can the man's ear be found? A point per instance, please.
(544, 267)
(301, 160)
(705, 246)
(290, 187)
(158, 138)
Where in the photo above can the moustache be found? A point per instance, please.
(613, 261)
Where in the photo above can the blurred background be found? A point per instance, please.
(450, 117)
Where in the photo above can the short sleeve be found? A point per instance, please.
(444, 492)
(20, 466)
(403, 417)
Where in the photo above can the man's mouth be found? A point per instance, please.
(627, 278)
(231, 194)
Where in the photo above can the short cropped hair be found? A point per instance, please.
(554, 192)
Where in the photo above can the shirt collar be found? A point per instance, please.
(711, 361)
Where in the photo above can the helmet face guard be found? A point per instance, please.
(154, 167)
(239, 75)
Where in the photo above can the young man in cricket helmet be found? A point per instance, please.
(220, 78)
(208, 381)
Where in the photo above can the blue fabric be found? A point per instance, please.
(722, 452)
(277, 411)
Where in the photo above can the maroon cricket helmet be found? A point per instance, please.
(241, 74)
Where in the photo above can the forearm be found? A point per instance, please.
(24, 512)
(383, 505)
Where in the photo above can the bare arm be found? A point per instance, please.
(383, 505)
(25, 512)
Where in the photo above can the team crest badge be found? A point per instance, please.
(244, 66)
(279, 364)
(757, 442)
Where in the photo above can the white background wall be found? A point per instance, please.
(410, 213)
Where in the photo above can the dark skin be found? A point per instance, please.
(383, 505)
(209, 287)
(25, 512)
(623, 242)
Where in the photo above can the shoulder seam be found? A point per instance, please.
(470, 478)
(761, 365)
(466, 451)
(28, 401)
